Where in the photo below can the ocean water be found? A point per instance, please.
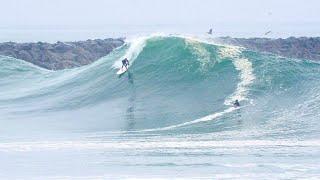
(169, 116)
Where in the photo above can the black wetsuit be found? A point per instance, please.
(236, 104)
(125, 63)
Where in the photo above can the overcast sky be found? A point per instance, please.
(118, 17)
(153, 12)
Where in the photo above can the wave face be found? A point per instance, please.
(175, 101)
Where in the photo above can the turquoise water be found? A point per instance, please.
(170, 116)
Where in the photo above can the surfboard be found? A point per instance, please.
(122, 70)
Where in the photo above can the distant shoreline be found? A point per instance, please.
(63, 55)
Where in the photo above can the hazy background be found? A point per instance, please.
(48, 20)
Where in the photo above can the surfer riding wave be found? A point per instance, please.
(125, 63)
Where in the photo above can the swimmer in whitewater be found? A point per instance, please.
(125, 63)
(236, 103)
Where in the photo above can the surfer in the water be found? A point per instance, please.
(236, 103)
(125, 63)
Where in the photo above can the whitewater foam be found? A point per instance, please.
(150, 144)
(136, 45)
(244, 66)
(203, 119)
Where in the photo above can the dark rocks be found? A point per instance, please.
(301, 48)
(60, 55)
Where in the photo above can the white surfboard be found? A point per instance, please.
(122, 70)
